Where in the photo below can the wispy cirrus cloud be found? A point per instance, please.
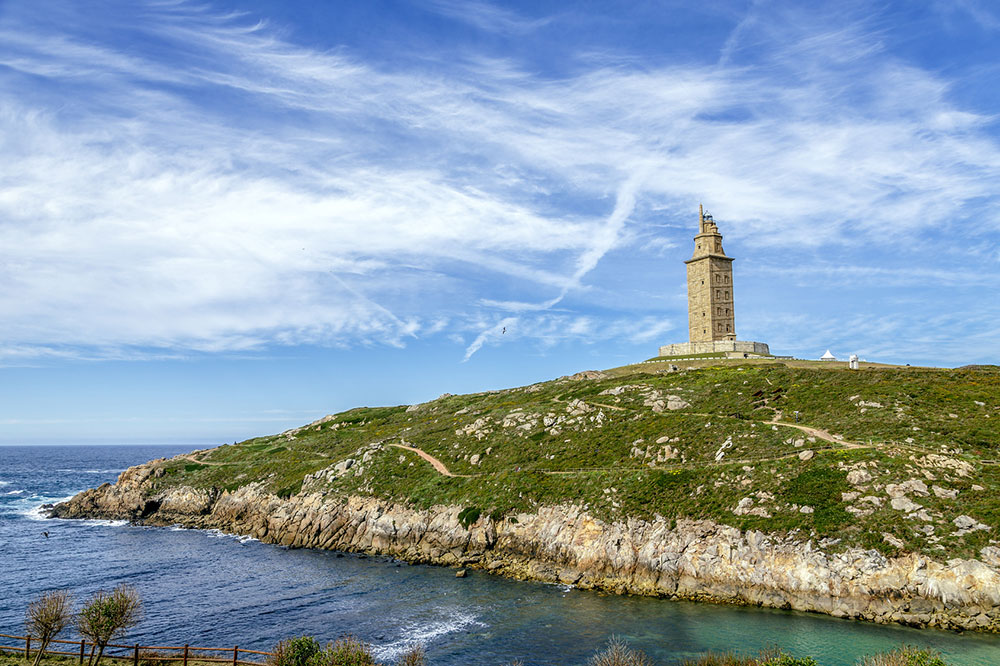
(486, 16)
(244, 190)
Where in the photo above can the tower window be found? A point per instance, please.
(727, 294)
(727, 328)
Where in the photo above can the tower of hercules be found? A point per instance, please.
(710, 286)
(711, 317)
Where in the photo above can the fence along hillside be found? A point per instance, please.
(141, 653)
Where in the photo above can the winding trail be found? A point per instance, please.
(820, 434)
(188, 456)
(437, 464)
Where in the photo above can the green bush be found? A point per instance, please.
(905, 656)
(108, 615)
(468, 516)
(347, 651)
(298, 651)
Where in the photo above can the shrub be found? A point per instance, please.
(46, 617)
(107, 615)
(413, 657)
(767, 657)
(788, 660)
(347, 651)
(618, 653)
(712, 659)
(299, 651)
(468, 516)
(904, 656)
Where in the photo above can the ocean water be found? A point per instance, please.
(212, 589)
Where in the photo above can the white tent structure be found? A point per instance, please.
(828, 356)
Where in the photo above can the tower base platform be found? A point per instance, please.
(731, 348)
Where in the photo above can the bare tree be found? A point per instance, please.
(46, 617)
(618, 653)
(107, 615)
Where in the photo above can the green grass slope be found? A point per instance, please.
(911, 466)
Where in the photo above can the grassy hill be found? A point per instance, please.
(901, 459)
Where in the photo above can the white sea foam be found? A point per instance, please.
(219, 534)
(423, 633)
(13, 492)
(100, 522)
(32, 506)
(4, 483)
(214, 533)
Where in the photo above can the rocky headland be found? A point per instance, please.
(683, 559)
(878, 500)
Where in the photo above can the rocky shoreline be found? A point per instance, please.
(690, 559)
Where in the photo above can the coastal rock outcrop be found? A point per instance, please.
(684, 559)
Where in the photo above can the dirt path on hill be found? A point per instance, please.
(819, 434)
(187, 456)
(437, 464)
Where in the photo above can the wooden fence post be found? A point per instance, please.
(135, 655)
(236, 649)
(82, 642)
(27, 647)
(185, 654)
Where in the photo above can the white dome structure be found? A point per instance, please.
(828, 356)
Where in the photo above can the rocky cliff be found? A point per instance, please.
(684, 559)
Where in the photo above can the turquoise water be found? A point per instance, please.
(208, 588)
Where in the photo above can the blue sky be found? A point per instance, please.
(222, 219)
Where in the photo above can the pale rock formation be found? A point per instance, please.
(684, 559)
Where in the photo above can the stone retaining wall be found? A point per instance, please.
(717, 346)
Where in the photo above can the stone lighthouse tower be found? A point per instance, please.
(710, 286)
(711, 315)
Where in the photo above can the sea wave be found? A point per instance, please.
(4, 483)
(100, 522)
(31, 507)
(13, 492)
(219, 534)
(424, 633)
(213, 533)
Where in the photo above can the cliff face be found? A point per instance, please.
(698, 560)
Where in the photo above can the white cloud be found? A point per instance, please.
(257, 192)
(486, 16)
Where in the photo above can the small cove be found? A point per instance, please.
(207, 588)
